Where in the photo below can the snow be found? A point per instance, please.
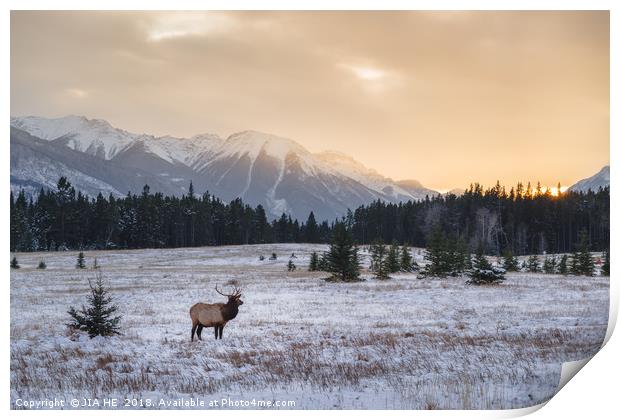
(82, 134)
(401, 343)
(99, 138)
(596, 181)
(35, 171)
(368, 177)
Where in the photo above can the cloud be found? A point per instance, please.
(76, 93)
(463, 86)
(367, 73)
(187, 24)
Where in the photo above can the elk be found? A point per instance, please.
(215, 315)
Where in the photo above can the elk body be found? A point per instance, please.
(215, 315)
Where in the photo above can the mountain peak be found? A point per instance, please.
(261, 168)
(596, 181)
(253, 142)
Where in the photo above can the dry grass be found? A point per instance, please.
(432, 343)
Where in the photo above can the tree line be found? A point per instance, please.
(522, 221)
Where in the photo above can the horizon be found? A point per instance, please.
(539, 81)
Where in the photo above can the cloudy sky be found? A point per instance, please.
(443, 97)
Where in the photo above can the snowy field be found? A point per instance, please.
(403, 343)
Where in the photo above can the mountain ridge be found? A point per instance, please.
(260, 168)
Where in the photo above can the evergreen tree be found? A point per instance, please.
(510, 263)
(314, 262)
(273, 257)
(42, 265)
(438, 260)
(581, 260)
(392, 260)
(549, 265)
(14, 263)
(99, 318)
(81, 263)
(575, 266)
(311, 230)
(480, 262)
(291, 266)
(460, 260)
(342, 258)
(323, 263)
(407, 263)
(533, 264)
(563, 265)
(482, 272)
(586, 263)
(605, 268)
(379, 263)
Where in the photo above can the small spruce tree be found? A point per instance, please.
(510, 262)
(461, 259)
(14, 263)
(323, 262)
(550, 265)
(605, 268)
(273, 257)
(575, 268)
(436, 254)
(99, 318)
(378, 260)
(314, 262)
(480, 262)
(291, 266)
(586, 263)
(581, 259)
(393, 260)
(42, 265)
(563, 265)
(533, 264)
(342, 258)
(482, 272)
(407, 263)
(81, 263)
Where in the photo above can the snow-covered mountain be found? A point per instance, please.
(260, 168)
(596, 181)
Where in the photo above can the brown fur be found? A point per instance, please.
(216, 315)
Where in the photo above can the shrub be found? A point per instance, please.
(482, 272)
(81, 263)
(99, 317)
(14, 263)
(314, 262)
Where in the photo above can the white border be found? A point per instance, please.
(593, 393)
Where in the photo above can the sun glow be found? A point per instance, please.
(554, 190)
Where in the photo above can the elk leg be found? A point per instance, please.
(199, 332)
(194, 330)
(221, 331)
(215, 329)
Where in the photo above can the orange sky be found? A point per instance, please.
(443, 97)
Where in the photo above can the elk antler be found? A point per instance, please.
(236, 292)
(218, 290)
